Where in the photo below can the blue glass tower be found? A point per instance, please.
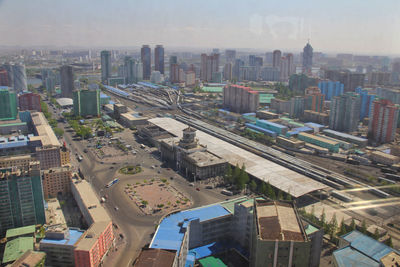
(331, 89)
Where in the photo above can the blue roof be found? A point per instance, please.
(348, 256)
(102, 95)
(116, 91)
(249, 114)
(367, 245)
(14, 142)
(303, 129)
(273, 124)
(74, 236)
(171, 230)
(258, 128)
(151, 85)
(315, 124)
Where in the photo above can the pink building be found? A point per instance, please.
(29, 101)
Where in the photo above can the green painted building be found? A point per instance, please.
(333, 146)
(87, 103)
(8, 105)
(21, 198)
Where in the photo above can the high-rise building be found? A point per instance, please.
(279, 238)
(9, 68)
(284, 69)
(20, 83)
(240, 99)
(156, 77)
(133, 70)
(230, 56)
(145, 53)
(159, 58)
(4, 78)
(276, 59)
(366, 102)
(383, 121)
(105, 65)
(290, 64)
(345, 112)
(297, 107)
(349, 79)
(209, 65)
(174, 73)
(236, 69)
(29, 101)
(270, 74)
(21, 197)
(314, 100)
(252, 60)
(87, 103)
(8, 105)
(67, 81)
(307, 58)
(190, 78)
(379, 78)
(331, 89)
(228, 71)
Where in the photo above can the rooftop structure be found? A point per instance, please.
(15, 248)
(30, 259)
(20, 231)
(278, 221)
(65, 102)
(360, 249)
(155, 258)
(362, 142)
(278, 176)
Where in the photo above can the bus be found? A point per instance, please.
(226, 192)
(112, 183)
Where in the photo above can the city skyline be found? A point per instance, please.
(256, 25)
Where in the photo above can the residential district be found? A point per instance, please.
(176, 158)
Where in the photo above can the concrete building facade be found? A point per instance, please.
(345, 112)
(29, 101)
(383, 121)
(159, 59)
(87, 103)
(105, 65)
(8, 105)
(240, 99)
(145, 53)
(67, 81)
(57, 181)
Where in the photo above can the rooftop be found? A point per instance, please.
(348, 256)
(391, 259)
(30, 229)
(74, 236)
(91, 236)
(211, 261)
(345, 135)
(319, 138)
(65, 101)
(205, 158)
(278, 221)
(170, 232)
(278, 176)
(383, 154)
(15, 248)
(155, 258)
(91, 202)
(29, 258)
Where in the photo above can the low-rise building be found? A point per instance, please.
(193, 159)
(320, 141)
(289, 142)
(384, 158)
(361, 142)
(30, 259)
(25, 231)
(267, 115)
(156, 257)
(16, 247)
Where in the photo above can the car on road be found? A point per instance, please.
(102, 162)
(114, 163)
(209, 187)
(191, 184)
(85, 150)
(116, 208)
(172, 178)
(198, 189)
(121, 236)
(111, 167)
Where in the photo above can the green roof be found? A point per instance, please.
(310, 229)
(15, 248)
(212, 262)
(30, 229)
(13, 124)
(212, 89)
(230, 205)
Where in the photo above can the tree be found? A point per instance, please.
(376, 233)
(270, 192)
(323, 217)
(280, 195)
(228, 174)
(353, 224)
(262, 188)
(253, 186)
(288, 196)
(342, 228)
(389, 242)
(58, 132)
(333, 226)
(363, 227)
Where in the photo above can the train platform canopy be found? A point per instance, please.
(284, 179)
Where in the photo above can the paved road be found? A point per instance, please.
(136, 227)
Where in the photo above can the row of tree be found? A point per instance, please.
(239, 178)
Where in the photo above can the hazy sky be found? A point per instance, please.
(359, 26)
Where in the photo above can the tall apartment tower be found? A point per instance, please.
(4, 78)
(383, 121)
(105, 65)
(276, 59)
(159, 58)
(290, 64)
(87, 103)
(228, 71)
(230, 55)
(240, 99)
(345, 112)
(67, 81)
(209, 65)
(8, 105)
(145, 53)
(20, 83)
(307, 58)
(21, 197)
